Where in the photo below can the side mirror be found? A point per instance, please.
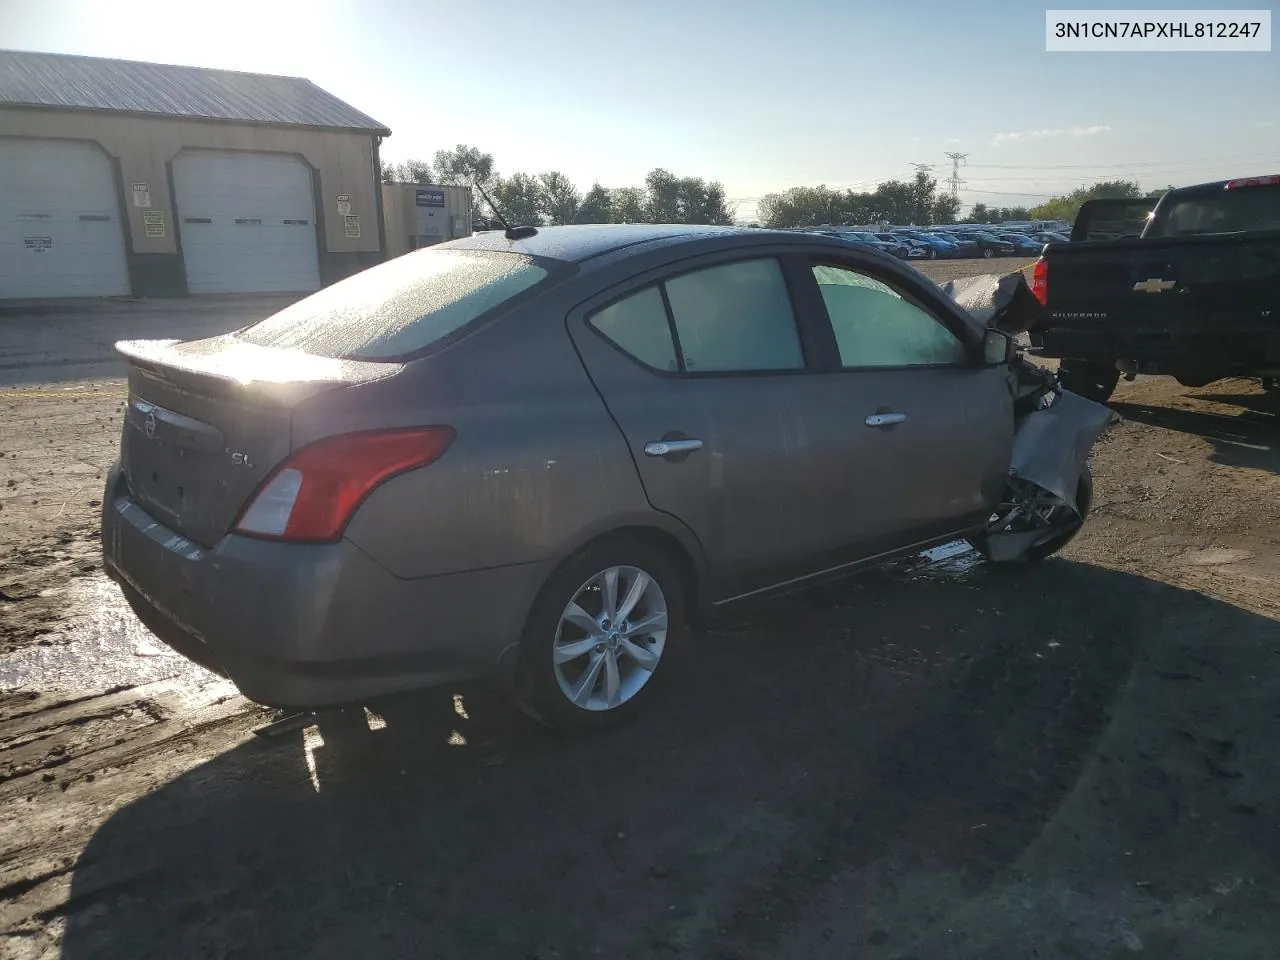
(997, 347)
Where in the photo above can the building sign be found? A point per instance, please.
(37, 244)
(344, 205)
(351, 226)
(153, 223)
(430, 198)
(141, 195)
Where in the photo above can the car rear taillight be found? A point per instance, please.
(310, 497)
(1252, 182)
(1040, 281)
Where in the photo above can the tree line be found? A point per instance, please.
(1066, 207)
(919, 202)
(552, 198)
(915, 201)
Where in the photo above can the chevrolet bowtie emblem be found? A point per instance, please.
(1154, 285)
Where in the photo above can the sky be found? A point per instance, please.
(760, 96)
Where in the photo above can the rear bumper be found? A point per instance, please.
(1226, 350)
(309, 626)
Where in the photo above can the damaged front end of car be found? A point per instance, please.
(1049, 488)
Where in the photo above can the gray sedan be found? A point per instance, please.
(547, 453)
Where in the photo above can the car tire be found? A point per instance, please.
(1093, 381)
(933, 254)
(988, 253)
(560, 657)
(1071, 523)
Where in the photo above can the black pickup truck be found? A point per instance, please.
(1188, 286)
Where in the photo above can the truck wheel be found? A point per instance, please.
(1093, 381)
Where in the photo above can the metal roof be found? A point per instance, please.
(92, 83)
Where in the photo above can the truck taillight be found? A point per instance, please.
(311, 496)
(1040, 281)
(1252, 182)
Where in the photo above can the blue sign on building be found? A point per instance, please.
(430, 198)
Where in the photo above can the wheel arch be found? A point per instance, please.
(658, 530)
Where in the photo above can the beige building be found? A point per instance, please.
(120, 178)
(423, 214)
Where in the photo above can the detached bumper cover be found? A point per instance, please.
(309, 625)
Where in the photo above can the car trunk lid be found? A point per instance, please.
(207, 420)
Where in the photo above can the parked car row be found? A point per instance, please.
(958, 240)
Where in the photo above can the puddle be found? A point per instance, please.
(109, 648)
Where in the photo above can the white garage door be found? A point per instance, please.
(60, 230)
(247, 221)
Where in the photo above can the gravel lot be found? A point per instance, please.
(1078, 759)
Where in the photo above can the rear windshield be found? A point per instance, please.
(1223, 211)
(399, 307)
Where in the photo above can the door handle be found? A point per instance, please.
(885, 419)
(665, 448)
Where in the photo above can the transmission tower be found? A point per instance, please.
(921, 167)
(956, 159)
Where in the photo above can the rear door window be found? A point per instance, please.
(731, 318)
(400, 307)
(735, 317)
(638, 326)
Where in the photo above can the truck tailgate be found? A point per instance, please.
(1208, 299)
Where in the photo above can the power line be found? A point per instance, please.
(1154, 164)
(1006, 193)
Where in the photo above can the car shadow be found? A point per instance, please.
(809, 736)
(1250, 438)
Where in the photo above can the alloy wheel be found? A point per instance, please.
(610, 638)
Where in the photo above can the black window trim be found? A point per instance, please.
(946, 318)
(671, 326)
(659, 277)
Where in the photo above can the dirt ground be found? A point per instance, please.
(1076, 759)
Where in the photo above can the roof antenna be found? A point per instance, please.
(513, 233)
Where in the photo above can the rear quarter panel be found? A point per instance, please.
(537, 467)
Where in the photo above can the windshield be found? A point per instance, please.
(1223, 211)
(399, 307)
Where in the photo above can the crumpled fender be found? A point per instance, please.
(1002, 301)
(1050, 446)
